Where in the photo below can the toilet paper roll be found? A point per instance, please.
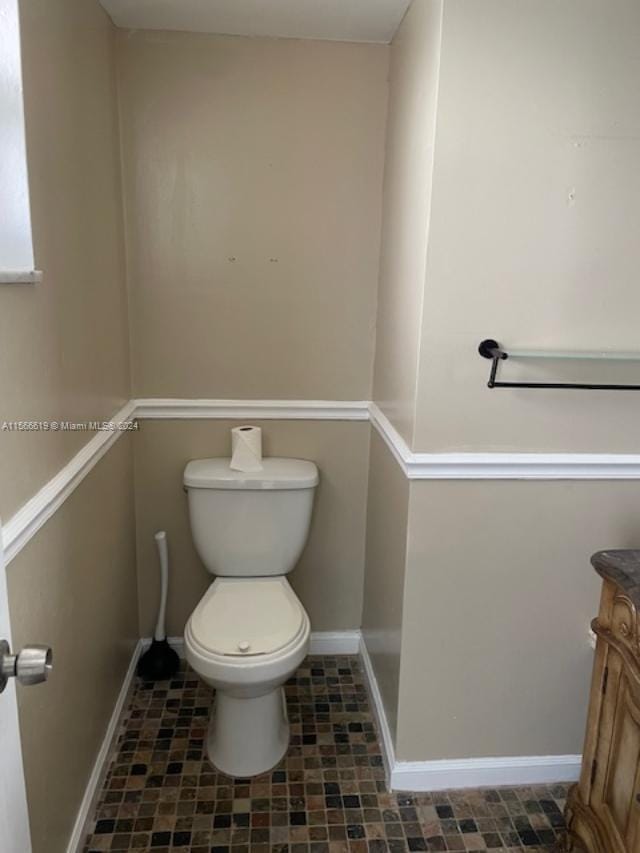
(246, 449)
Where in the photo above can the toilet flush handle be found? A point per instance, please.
(244, 646)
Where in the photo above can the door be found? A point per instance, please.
(14, 818)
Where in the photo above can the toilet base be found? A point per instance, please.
(248, 736)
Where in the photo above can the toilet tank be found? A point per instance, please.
(250, 524)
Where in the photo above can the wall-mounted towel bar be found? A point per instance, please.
(492, 350)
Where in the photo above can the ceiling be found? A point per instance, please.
(335, 20)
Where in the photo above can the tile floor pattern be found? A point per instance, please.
(327, 796)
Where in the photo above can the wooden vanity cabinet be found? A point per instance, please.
(603, 809)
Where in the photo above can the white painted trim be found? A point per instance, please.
(416, 466)
(16, 234)
(504, 466)
(391, 437)
(316, 410)
(15, 834)
(335, 642)
(39, 509)
(94, 784)
(484, 772)
(377, 706)
(322, 643)
(20, 277)
(461, 772)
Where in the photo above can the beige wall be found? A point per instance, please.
(65, 341)
(270, 153)
(498, 599)
(415, 59)
(253, 175)
(65, 357)
(408, 169)
(529, 238)
(328, 578)
(387, 518)
(253, 196)
(74, 587)
(533, 236)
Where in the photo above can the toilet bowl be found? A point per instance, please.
(249, 632)
(245, 638)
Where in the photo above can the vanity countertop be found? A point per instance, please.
(622, 568)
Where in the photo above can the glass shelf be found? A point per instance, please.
(491, 349)
(585, 355)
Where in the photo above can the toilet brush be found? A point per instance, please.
(160, 662)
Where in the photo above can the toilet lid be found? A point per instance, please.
(241, 616)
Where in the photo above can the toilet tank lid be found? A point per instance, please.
(276, 473)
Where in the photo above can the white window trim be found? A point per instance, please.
(20, 277)
(16, 236)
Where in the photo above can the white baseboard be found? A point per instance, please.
(484, 772)
(335, 642)
(322, 643)
(377, 706)
(462, 772)
(94, 783)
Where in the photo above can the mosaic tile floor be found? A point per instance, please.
(327, 796)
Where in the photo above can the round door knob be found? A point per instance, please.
(244, 647)
(30, 666)
(34, 664)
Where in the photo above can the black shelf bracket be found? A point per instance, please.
(492, 350)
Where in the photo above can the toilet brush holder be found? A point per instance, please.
(160, 662)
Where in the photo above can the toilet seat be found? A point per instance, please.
(256, 669)
(247, 617)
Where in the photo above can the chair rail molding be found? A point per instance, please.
(26, 522)
(316, 410)
(503, 466)
(31, 516)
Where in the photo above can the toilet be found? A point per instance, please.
(249, 632)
